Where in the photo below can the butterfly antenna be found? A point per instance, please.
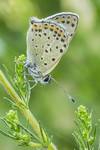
(64, 90)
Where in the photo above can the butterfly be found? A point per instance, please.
(47, 41)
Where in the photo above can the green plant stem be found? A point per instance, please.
(10, 90)
(23, 108)
(35, 145)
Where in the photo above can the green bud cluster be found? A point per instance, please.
(85, 132)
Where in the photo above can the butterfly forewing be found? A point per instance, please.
(47, 41)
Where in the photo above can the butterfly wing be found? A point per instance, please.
(46, 43)
(48, 40)
(68, 20)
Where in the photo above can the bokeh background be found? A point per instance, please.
(78, 71)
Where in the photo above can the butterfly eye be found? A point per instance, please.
(47, 79)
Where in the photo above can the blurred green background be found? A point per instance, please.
(78, 71)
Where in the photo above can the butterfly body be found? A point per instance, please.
(47, 42)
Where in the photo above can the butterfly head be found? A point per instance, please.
(46, 79)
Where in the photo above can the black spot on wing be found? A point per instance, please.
(63, 21)
(48, 37)
(62, 40)
(56, 47)
(39, 35)
(50, 49)
(45, 64)
(54, 35)
(68, 22)
(57, 38)
(46, 50)
(53, 59)
(72, 24)
(51, 29)
(65, 45)
(61, 50)
(45, 34)
(40, 30)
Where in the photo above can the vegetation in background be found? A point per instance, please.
(85, 132)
